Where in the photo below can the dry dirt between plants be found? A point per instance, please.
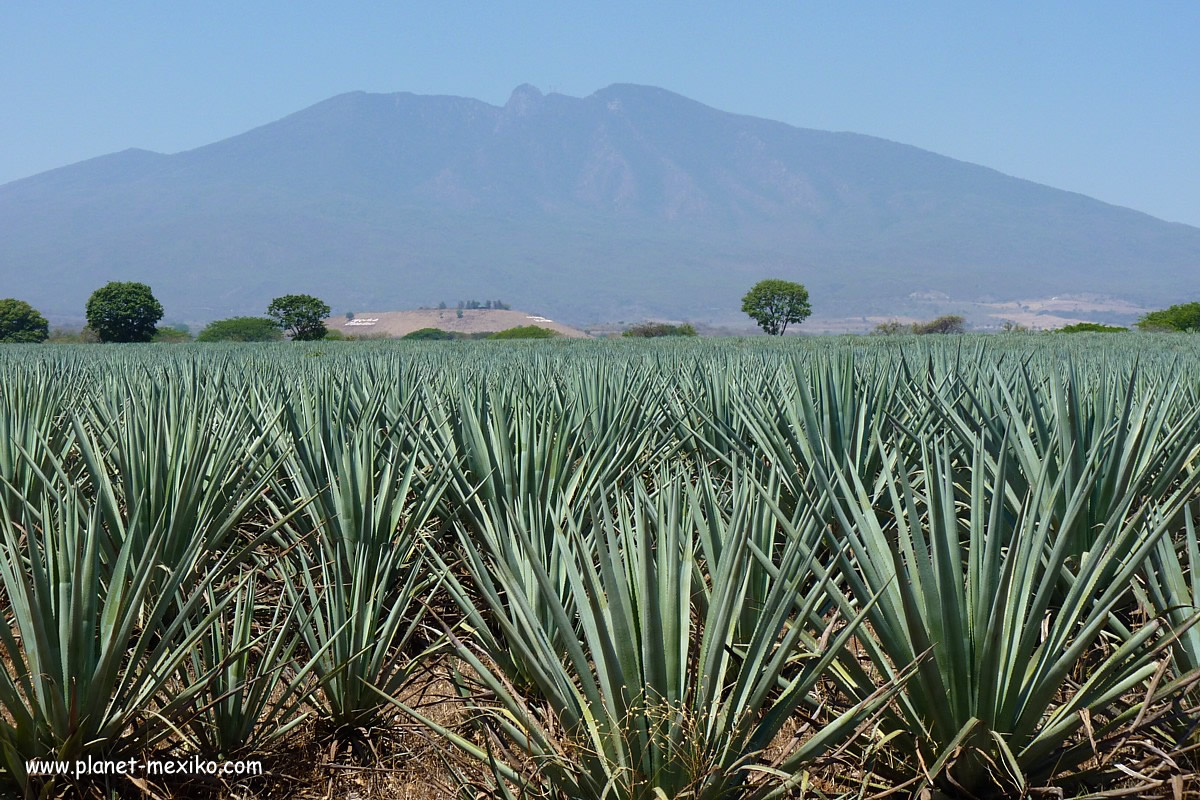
(401, 761)
(404, 761)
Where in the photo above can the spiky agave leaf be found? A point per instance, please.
(961, 573)
(359, 572)
(90, 659)
(651, 699)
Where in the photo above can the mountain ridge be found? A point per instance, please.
(631, 202)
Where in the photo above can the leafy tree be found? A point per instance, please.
(1182, 317)
(21, 322)
(301, 315)
(775, 304)
(525, 332)
(651, 330)
(948, 323)
(123, 312)
(1090, 327)
(241, 329)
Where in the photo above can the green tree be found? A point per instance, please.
(123, 312)
(1182, 317)
(241, 329)
(948, 323)
(20, 322)
(775, 304)
(300, 315)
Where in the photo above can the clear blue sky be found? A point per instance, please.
(1093, 96)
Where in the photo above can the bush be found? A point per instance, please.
(525, 332)
(1183, 317)
(172, 334)
(892, 328)
(651, 330)
(431, 334)
(70, 336)
(241, 329)
(949, 323)
(1090, 327)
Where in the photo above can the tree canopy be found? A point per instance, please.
(123, 312)
(21, 322)
(241, 329)
(774, 304)
(1182, 317)
(301, 315)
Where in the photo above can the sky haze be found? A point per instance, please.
(1101, 98)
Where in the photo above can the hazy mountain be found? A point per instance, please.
(632, 202)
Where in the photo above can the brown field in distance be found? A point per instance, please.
(395, 324)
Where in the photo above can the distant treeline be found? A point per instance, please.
(488, 305)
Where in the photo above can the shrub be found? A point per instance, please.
(892, 328)
(1090, 327)
(651, 330)
(241, 329)
(84, 335)
(430, 334)
(172, 334)
(525, 332)
(948, 323)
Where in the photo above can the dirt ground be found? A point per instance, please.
(473, 320)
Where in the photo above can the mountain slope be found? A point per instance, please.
(631, 202)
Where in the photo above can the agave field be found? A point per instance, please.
(965, 568)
